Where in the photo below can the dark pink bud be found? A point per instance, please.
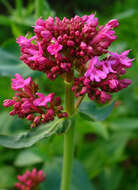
(57, 101)
(37, 120)
(30, 117)
(82, 53)
(77, 33)
(8, 102)
(83, 45)
(113, 23)
(12, 112)
(70, 43)
(46, 34)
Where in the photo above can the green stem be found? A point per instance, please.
(39, 8)
(19, 7)
(68, 137)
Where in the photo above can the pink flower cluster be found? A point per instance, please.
(30, 180)
(103, 77)
(61, 45)
(30, 104)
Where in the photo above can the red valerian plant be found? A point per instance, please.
(30, 180)
(72, 49)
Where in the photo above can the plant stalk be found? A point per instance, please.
(19, 7)
(68, 137)
(39, 6)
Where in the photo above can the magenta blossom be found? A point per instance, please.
(30, 180)
(103, 77)
(28, 103)
(60, 45)
(121, 59)
(43, 100)
(20, 82)
(55, 47)
(95, 70)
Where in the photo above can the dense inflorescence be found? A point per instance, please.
(30, 180)
(30, 104)
(103, 77)
(61, 46)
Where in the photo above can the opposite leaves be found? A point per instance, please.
(90, 111)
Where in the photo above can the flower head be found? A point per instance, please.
(30, 104)
(103, 77)
(60, 45)
(30, 180)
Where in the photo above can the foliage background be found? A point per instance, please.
(108, 149)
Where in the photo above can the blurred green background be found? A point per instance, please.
(107, 150)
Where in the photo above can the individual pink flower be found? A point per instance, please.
(92, 21)
(104, 37)
(24, 42)
(20, 82)
(30, 180)
(54, 47)
(43, 100)
(95, 70)
(121, 59)
(8, 102)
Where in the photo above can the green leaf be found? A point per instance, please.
(4, 20)
(10, 63)
(26, 158)
(10, 125)
(27, 139)
(53, 169)
(7, 177)
(110, 178)
(30, 137)
(124, 124)
(90, 111)
(89, 127)
(16, 30)
(64, 126)
(100, 153)
(125, 14)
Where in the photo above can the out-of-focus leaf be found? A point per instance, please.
(16, 30)
(90, 127)
(4, 20)
(26, 158)
(125, 14)
(90, 111)
(10, 125)
(118, 47)
(124, 124)
(101, 153)
(116, 146)
(10, 63)
(53, 170)
(110, 178)
(7, 177)
(30, 137)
